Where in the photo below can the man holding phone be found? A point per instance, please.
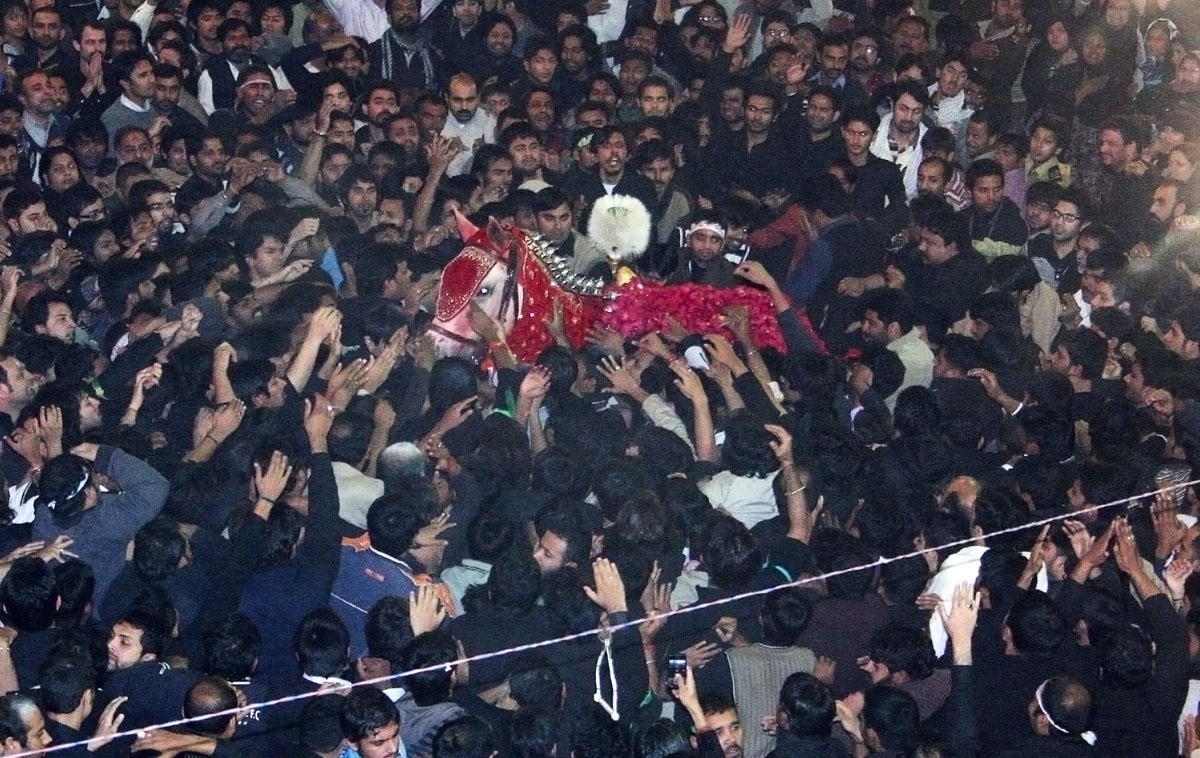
(715, 718)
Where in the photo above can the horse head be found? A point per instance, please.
(483, 273)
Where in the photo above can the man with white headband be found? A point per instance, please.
(72, 502)
(256, 101)
(1059, 714)
(700, 260)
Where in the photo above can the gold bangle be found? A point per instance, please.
(798, 490)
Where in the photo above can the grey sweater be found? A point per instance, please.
(104, 531)
(758, 671)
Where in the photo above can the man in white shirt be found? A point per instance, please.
(898, 138)
(888, 318)
(948, 96)
(216, 87)
(468, 123)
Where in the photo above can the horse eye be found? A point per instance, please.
(484, 291)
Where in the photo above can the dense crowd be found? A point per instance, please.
(956, 517)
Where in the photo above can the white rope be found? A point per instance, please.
(617, 627)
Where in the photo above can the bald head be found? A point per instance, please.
(208, 696)
(1067, 703)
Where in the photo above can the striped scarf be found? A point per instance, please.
(418, 48)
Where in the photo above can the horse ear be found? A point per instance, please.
(466, 229)
(497, 234)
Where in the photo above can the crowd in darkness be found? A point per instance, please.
(954, 519)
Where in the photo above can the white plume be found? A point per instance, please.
(620, 226)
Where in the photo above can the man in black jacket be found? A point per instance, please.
(613, 176)
(992, 218)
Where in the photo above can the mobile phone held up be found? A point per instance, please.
(676, 665)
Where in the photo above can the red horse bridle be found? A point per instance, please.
(466, 272)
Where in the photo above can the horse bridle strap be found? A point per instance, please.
(509, 295)
(454, 337)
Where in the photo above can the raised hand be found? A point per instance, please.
(619, 376)
(536, 384)
(430, 534)
(50, 421)
(108, 725)
(1125, 549)
(738, 33)
(227, 419)
(755, 273)
(609, 592)
(1176, 576)
(781, 443)
(425, 610)
(605, 339)
(699, 654)
(688, 382)
(960, 619)
(270, 484)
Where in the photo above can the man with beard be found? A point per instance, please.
(255, 104)
(216, 88)
(1169, 202)
(752, 162)
(41, 119)
(400, 56)
(298, 122)
(999, 52)
(911, 36)
(834, 58)
(820, 142)
(555, 221)
(578, 55)
(864, 61)
(402, 129)
(209, 196)
(933, 177)
(89, 79)
(524, 146)
(542, 112)
(613, 176)
(889, 319)
(1131, 180)
(48, 54)
(153, 198)
(701, 260)
(655, 160)
(168, 87)
(993, 220)
(1055, 254)
(732, 108)
(378, 107)
(135, 74)
(89, 141)
(494, 61)
(468, 123)
(432, 113)
(360, 197)
(898, 139)
(721, 718)
(461, 34)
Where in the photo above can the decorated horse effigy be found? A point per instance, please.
(519, 280)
